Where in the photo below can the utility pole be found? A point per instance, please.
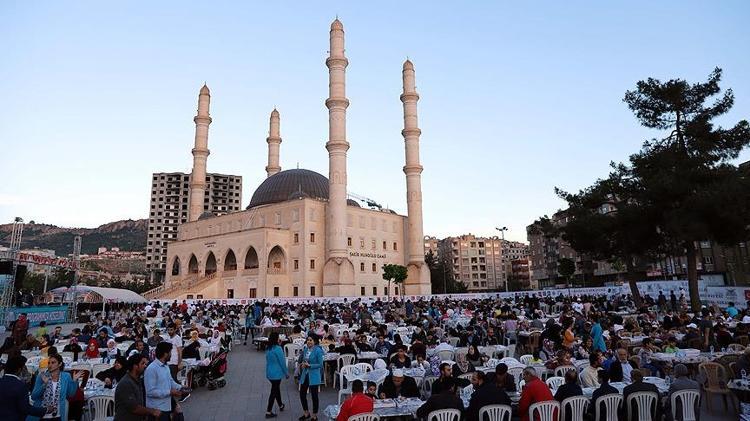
(76, 264)
(502, 250)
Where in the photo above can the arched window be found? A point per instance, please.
(193, 264)
(176, 266)
(230, 262)
(251, 259)
(210, 264)
(276, 260)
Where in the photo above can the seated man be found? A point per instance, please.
(589, 375)
(446, 372)
(397, 385)
(621, 369)
(485, 393)
(534, 391)
(681, 382)
(444, 400)
(604, 389)
(639, 385)
(503, 380)
(357, 403)
(568, 390)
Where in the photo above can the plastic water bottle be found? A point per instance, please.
(712, 350)
(668, 381)
(744, 374)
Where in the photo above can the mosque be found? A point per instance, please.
(301, 236)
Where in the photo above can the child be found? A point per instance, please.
(671, 347)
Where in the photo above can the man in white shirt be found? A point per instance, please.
(578, 306)
(175, 358)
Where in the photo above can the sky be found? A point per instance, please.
(516, 98)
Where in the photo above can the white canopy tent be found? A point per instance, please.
(89, 294)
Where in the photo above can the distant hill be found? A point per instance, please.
(128, 235)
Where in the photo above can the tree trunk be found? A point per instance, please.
(632, 278)
(692, 273)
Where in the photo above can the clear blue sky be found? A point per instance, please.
(516, 99)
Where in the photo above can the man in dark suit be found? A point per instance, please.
(639, 385)
(604, 389)
(568, 390)
(621, 369)
(681, 382)
(485, 393)
(444, 400)
(14, 394)
(397, 385)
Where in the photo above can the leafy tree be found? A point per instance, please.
(687, 175)
(441, 275)
(396, 274)
(566, 268)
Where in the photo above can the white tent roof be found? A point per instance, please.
(108, 294)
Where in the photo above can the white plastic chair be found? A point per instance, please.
(363, 367)
(345, 371)
(454, 341)
(495, 413)
(644, 400)
(546, 410)
(560, 371)
(342, 361)
(525, 359)
(427, 386)
(516, 373)
(577, 405)
(369, 416)
(444, 415)
(101, 408)
(689, 400)
(611, 404)
(446, 354)
(555, 382)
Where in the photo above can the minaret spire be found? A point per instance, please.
(200, 155)
(338, 273)
(418, 280)
(274, 144)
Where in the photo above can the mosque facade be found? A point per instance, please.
(301, 235)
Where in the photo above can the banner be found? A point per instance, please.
(50, 314)
(720, 295)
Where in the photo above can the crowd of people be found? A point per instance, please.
(146, 346)
(548, 332)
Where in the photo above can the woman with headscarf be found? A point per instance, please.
(92, 350)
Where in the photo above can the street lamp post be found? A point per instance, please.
(502, 236)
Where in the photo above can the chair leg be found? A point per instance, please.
(708, 400)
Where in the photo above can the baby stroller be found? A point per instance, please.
(212, 374)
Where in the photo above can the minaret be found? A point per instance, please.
(200, 154)
(338, 273)
(418, 280)
(274, 143)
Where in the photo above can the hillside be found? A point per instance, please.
(128, 235)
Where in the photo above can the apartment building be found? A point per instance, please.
(170, 196)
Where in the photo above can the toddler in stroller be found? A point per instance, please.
(212, 374)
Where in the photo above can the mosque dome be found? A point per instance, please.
(206, 215)
(288, 185)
